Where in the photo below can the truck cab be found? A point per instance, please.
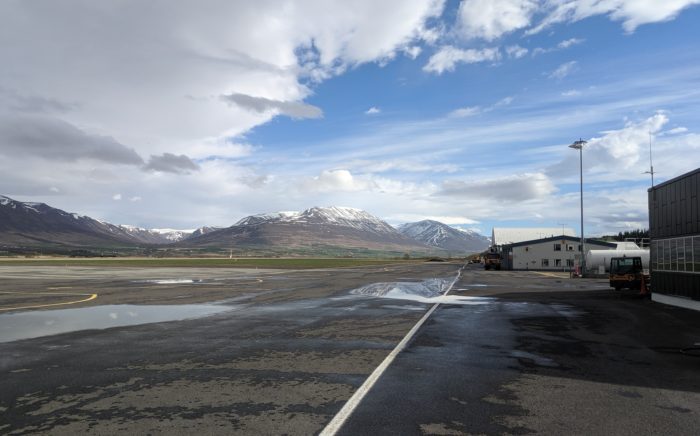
(492, 260)
(627, 272)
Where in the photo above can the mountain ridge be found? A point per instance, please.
(331, 229)
(440, 235)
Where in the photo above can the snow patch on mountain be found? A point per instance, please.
(156, 235)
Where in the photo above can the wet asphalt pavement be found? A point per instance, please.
(548, 356)
(545, 355)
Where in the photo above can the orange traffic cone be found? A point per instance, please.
(643, 288)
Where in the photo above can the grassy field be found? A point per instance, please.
(281, 263)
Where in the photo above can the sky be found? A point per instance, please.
(174, 114)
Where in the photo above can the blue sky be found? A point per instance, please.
(456, 111)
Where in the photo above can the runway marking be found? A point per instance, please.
(339, 419)
(551, 274)
(90, 297)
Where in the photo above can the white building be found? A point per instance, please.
(505, 236)
(558, 253)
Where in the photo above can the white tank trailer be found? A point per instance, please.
(597, 258)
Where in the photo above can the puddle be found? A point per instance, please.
(427, 291)
(34, 324)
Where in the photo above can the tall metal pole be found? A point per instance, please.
(583, 248)
(651, 163)
(578, 145)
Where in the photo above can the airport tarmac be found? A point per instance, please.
(281, 352)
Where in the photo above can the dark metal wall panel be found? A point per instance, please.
(674, 212)
(673, 207)
(679, 284)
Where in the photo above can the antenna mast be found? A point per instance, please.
(651, 163)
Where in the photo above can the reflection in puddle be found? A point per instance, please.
(25, 325)
(427, 291)
(171, 281)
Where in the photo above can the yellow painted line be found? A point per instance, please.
(90, 297)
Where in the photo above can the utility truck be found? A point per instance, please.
(628, 272)
(492, 260)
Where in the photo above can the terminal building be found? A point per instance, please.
(674, 231)
(541, 248)
(555, 253)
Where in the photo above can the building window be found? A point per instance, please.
(579, 247)
(569, 262)
(569, 247)
(545, 262)
(557, 247)
(557, 262)
(676, 255)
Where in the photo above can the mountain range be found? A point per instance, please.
(437, 234)
(318, 230)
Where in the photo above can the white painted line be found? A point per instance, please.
(339, 419)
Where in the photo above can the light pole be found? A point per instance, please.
(578, 145)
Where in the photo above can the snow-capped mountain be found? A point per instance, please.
(437, 234)
(315, 227)
(334, 215)
(156, 236)
(320, 230)
(34, 224)
(203, 231)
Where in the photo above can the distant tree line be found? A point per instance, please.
(628, 234)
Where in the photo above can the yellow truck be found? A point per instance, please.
(627, 272)
(492, 260)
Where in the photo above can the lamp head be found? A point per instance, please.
(578, 145)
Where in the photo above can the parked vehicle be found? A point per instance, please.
(627, 272)
(492, 260)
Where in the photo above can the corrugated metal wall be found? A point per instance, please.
(674, 215)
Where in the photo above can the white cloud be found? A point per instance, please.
(465, 112)
(54, 189)
(447, 57)
(570, 43)
(135, 198)
(262, 105)
(519, 187)
(413, 51)
(617, 155)
(403, 165)
(335, 180)
(471, 111)
(632, 13)
(372, 111)
(571, 93)
(490, 19)
(170, 163)
(623, 148)
(674, 131)
(505, 101)
(563, 45)
(563, 70)
(116, 197)
(516, 52)
(264, 51)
